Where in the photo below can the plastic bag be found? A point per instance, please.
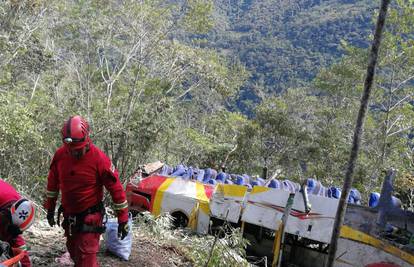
(64, 260)
(120, 248)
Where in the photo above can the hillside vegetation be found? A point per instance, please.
(284, 43)
(168, 81)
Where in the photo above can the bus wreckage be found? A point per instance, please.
(288, 223)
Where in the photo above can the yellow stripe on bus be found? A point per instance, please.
(159, 195)
(259, 189)
(202, 198)
(231, 190)
(277, 244)
(355, 235)
(192, 222)
(205, 207)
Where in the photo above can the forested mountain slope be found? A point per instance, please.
(284, 43)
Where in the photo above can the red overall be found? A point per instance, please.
(8, 196)
(81, 183)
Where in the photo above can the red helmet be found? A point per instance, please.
(75, 132)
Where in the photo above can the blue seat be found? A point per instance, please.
(179, 170)
(239, 180)
(199, 174)
(260, 181)
(290, 186)
(334, 192)
(274, 183)
(221, 177)
(210, 174)
(246, 179)
(188, 175)
(315, 187)
(354, 197)
(374, 198)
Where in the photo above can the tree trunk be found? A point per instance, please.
(339, 218)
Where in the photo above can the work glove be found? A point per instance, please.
(123, 230)
(51, 217)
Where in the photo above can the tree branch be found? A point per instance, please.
(34, 87)
(400, 101)
(401, 130)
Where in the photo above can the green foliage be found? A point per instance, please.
(116, 64)
(210, 140)
(154, 85)
(21, 142)
(390, 120)
(284, 43)
(198, 16)
(229, 250)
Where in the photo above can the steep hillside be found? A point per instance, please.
(154, 244)
(284, 43)
(145, 250)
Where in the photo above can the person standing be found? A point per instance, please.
(16, 215)
(80, 170)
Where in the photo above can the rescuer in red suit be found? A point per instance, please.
(16, 215)
(80, 170)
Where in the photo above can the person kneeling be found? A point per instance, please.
(16, 215)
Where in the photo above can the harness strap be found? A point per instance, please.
(97, 208)
(92, 229)
(75, 222)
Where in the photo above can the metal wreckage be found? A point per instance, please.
(290, 224)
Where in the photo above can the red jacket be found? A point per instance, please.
(81, 182)
(8, 195)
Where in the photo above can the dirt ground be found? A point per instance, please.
(46, 244)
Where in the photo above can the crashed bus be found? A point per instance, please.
(284, 224)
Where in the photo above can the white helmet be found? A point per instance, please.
(22, 213)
